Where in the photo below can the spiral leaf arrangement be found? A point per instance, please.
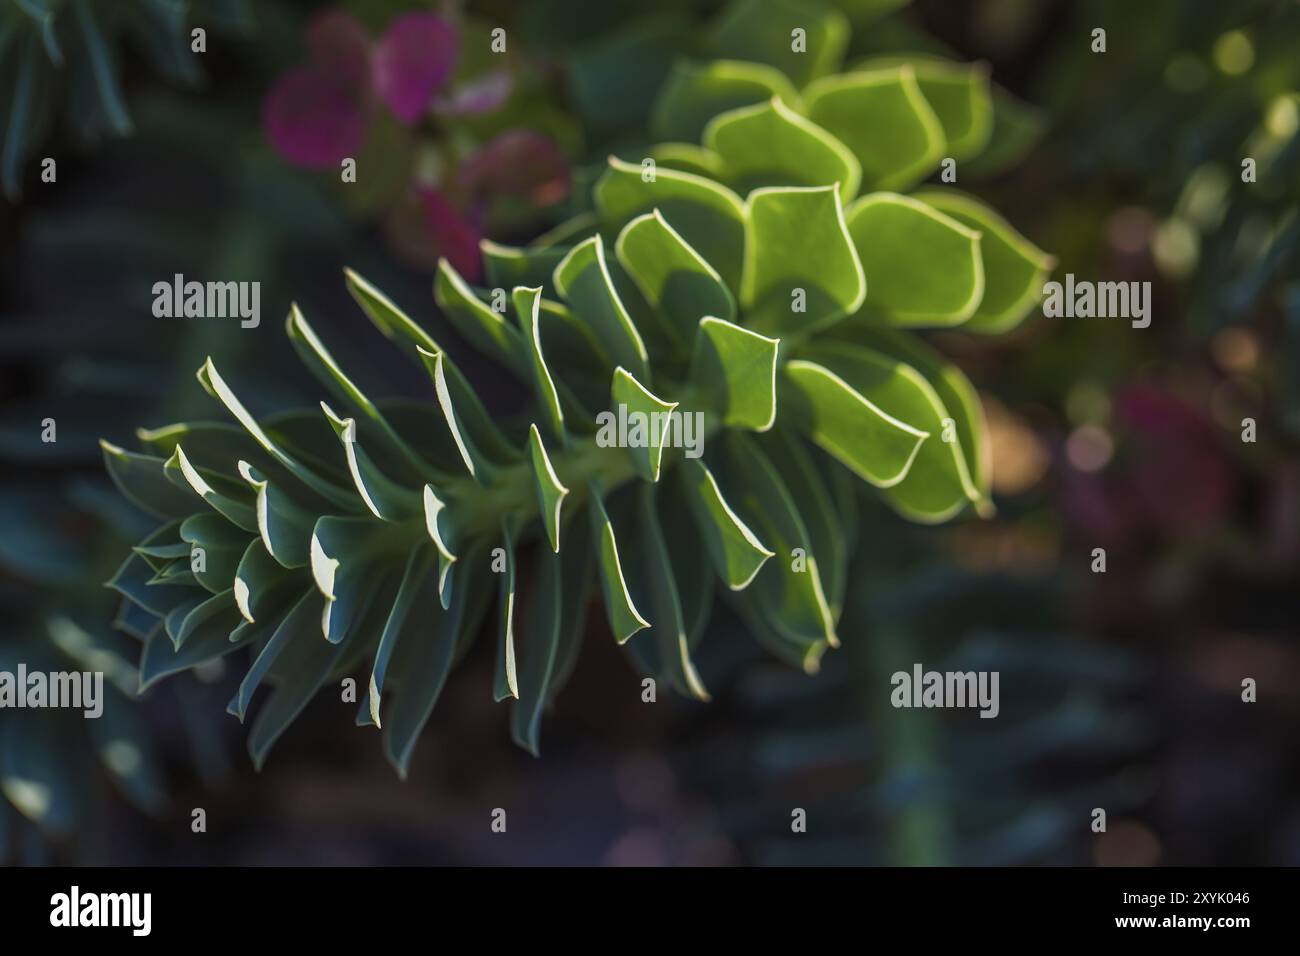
(368, 537)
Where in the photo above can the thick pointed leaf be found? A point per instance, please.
(788, 589)
(261, 582)
(650, 572)
(329, 373)
(475, 461)
(344, 553)
(650, 423)
(674, 279)
(956, 393)
(540, 647)
(769, 144)
(739, 367)
(1014, 269)
(505, 681)
(527, 303)
(509, 267)
(818, 508)
(485, 329)
(227, 496)
(624, 619)
(938, 483)
(425, 668)
(216, 617)
(550, 491)
(438, 524)
(385, 498)
(222, 544)
(143, 480)
(584, 281)
(923, 268)
(132, 582)
(850, 423)
(736, 552)
(960, 95)
(284, 525)
(298, 623)
(216, 386)
(697, 92)
(420, 346)
(801, 271)
(401, 623)
(708, 216)
(882, 117)
(762, 31)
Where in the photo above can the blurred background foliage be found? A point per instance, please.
(1120, 690)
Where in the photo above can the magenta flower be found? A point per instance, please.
(318, 114)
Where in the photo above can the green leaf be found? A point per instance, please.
(769, 144)
(960, 95)
(508, 267)
(20, 113)
(260, 582)
(687, 158)
(801, 272)
(849, 423)
(284, 525)
(303, 666)
(763, 30)
(385, 498)
(131, 580)
(738, 366)
(401, 624)
(734, 549)
(419, 345)
(697, 92)
(956, 393)
(624, 619)
(215, 617)
(527, 303)
(788, 590)
(672, 276)
(541, 645)
(649, 422)
(161, 658)
(475, 462)
(884, 120)
(297, 624)
(343, 552)
(550, 491)
(223, 546)
(216, 386)
(938, 483)
(227, 496)
(1014, 269)
(821, 516)
(583, 279)
(923, 268)
(330, 374)
(424, 666)
(506, 682)
(438, 523)
(142, 479)
(651, 574)
(708, 216)
(484, 328)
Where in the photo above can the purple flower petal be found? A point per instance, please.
(483, 94)
(312, 120)
(453, 235)
(340, 46)
(413, 60)
(519, 163)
